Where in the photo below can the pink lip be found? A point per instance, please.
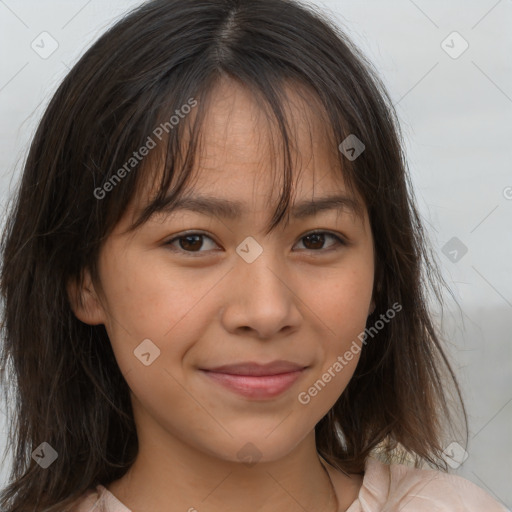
(251, 386)
(259, 369)
(254, 380)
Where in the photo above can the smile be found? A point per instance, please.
(255, 386)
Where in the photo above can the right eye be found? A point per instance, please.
(188, 243)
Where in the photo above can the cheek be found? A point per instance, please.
(148, 299)
(340, 302)
(340, 299)
(341, 305)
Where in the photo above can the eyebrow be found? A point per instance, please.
(227, 209)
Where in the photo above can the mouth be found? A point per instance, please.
(255, 380)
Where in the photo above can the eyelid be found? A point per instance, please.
(341, 240)
(185, 234)
(320, 231)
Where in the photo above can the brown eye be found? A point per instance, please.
(189, 243)
(315, 241)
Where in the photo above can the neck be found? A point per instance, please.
(174, 477)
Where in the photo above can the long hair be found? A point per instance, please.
(60, 375)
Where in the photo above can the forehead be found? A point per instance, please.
(241, 142)
(239, 164)
(240, 133)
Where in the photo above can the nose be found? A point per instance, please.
(260, 299)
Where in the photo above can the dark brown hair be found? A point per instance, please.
(61, 374)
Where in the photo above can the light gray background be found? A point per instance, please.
(456, 118)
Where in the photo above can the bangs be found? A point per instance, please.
(168, 173)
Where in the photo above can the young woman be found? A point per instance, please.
(214, 277)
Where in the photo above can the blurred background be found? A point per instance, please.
(448, 70)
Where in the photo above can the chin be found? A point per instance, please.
(252, 449)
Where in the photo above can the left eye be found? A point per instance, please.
(318, 238)
(192, 242)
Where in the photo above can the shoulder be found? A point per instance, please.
(400, 487)
(411, 489)
(99, 499)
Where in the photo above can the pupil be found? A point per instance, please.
(318, 238)
(191, 246)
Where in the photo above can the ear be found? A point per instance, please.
(372, 308)
(84, 300)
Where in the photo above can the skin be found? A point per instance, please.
(300, 301)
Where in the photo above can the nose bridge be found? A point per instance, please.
(258, 296)
(261, 271)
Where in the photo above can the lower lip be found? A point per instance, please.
(251, 386)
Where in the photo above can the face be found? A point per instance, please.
(190, 292)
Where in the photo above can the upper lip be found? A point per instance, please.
(258, 369)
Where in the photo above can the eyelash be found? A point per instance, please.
(340, 242)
